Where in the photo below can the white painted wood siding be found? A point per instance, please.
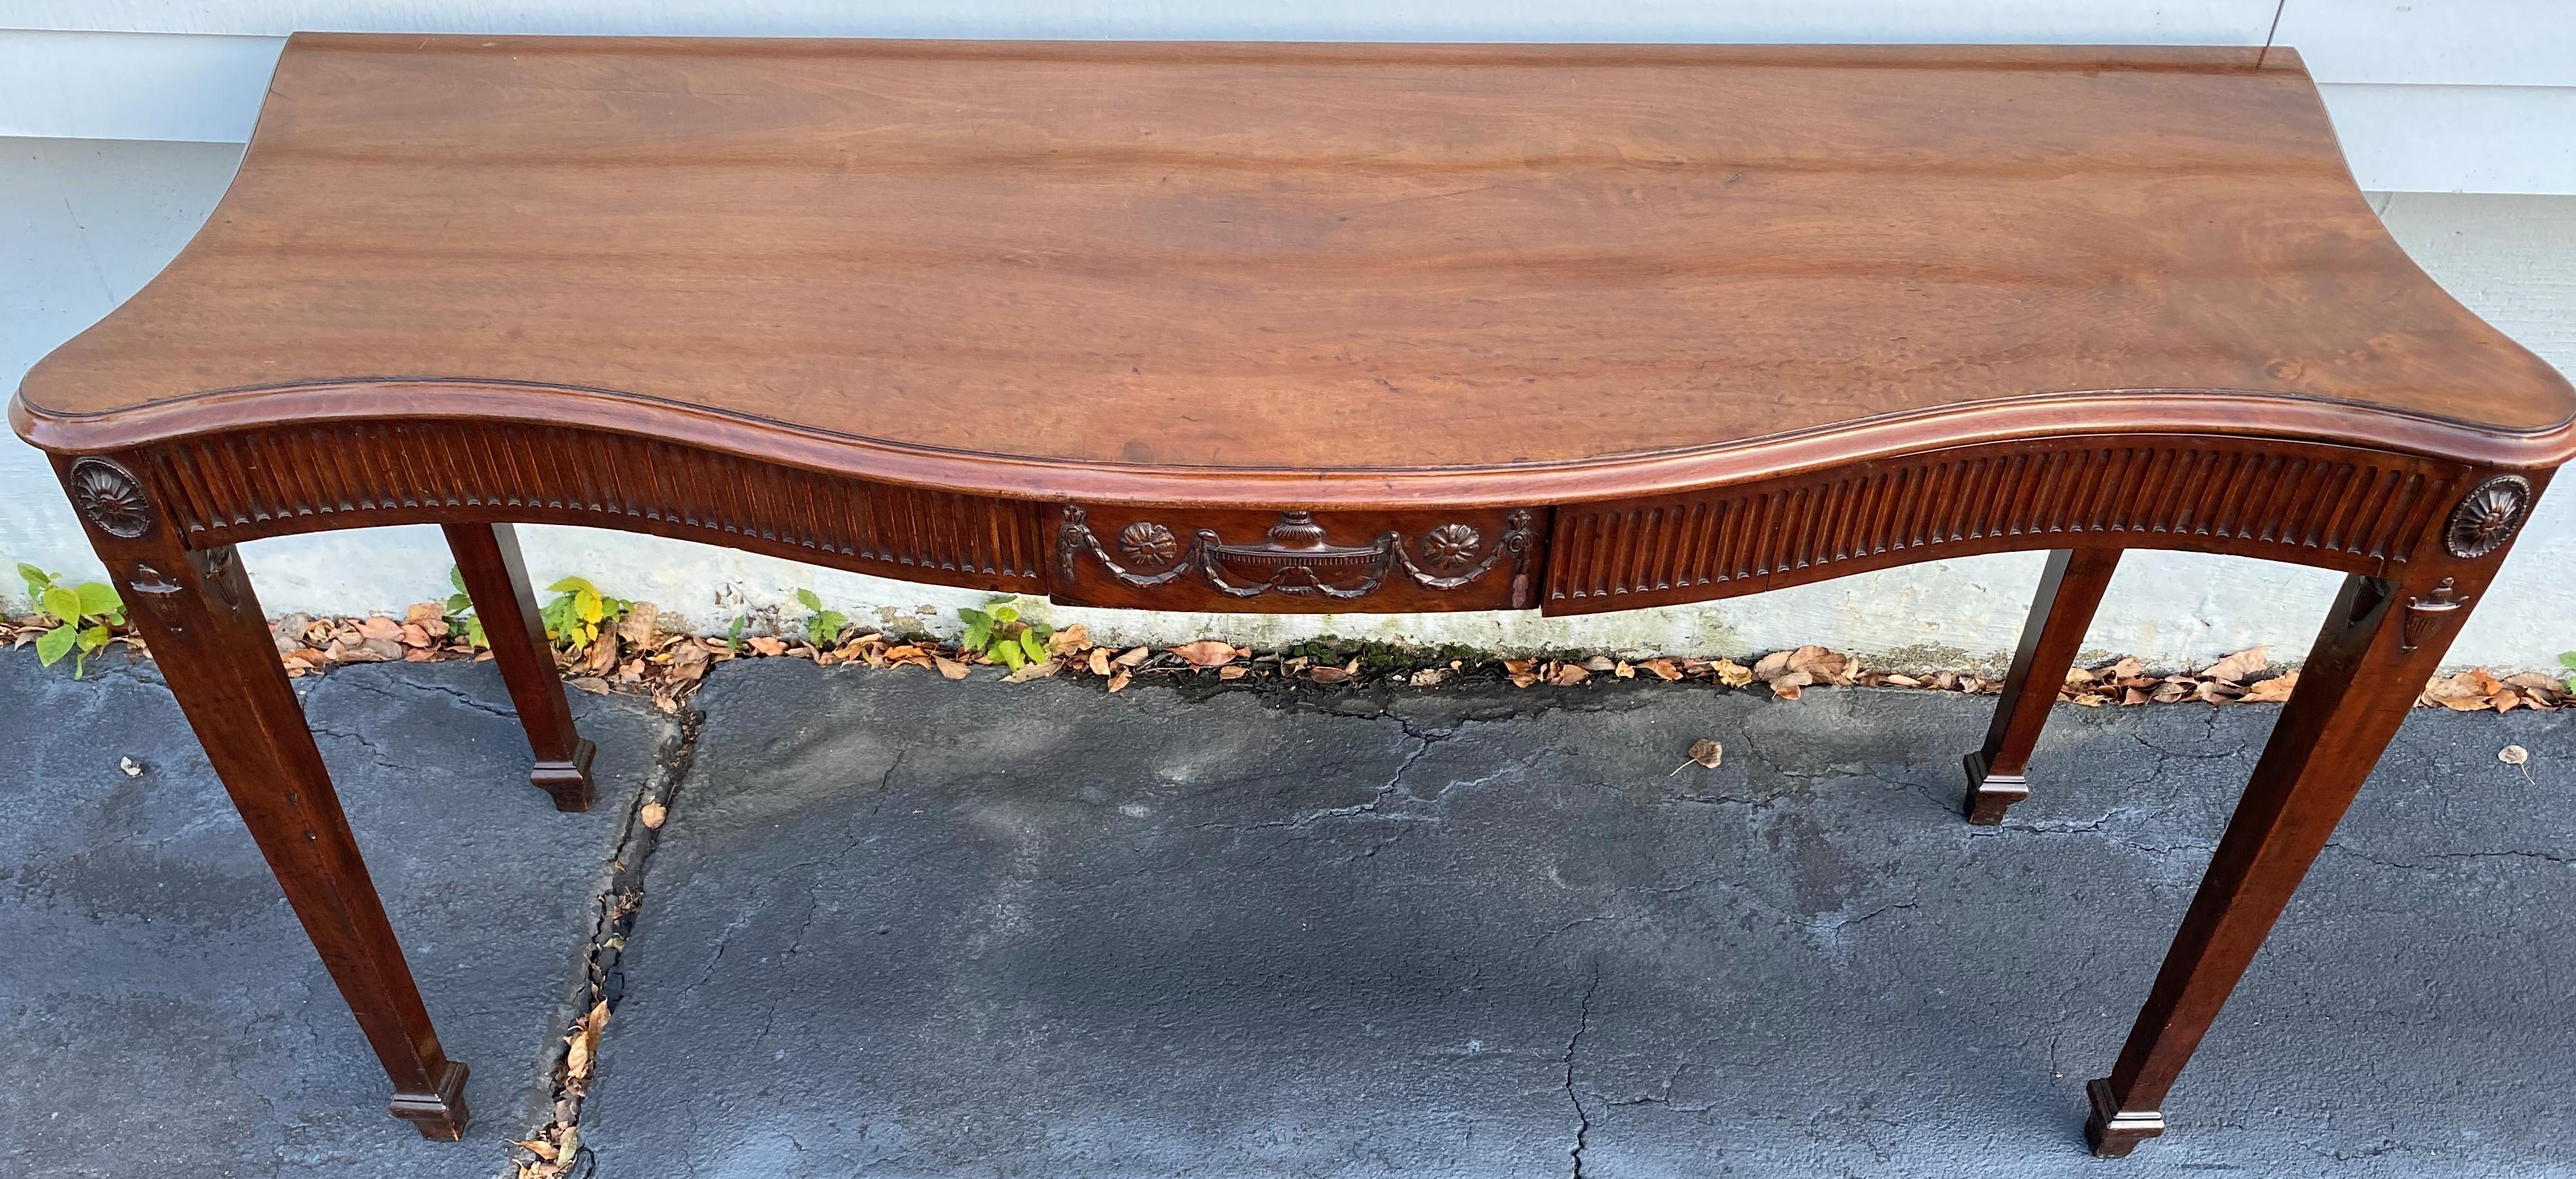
(2429, 96)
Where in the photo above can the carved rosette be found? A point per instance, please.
(110, 496)
(1451, 548)
(1148, 545)
(2488, 516)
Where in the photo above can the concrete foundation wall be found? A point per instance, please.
(83, 223)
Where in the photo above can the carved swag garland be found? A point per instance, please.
(1295, 559)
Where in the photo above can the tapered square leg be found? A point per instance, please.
(2070, 589)
(487, 559)
(197, 614)
(2380, 643)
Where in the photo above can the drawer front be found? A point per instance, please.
(1301, 562)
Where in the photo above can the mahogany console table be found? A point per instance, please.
(1301, 327)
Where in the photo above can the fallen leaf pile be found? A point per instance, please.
(639, 658)
(555, 1149)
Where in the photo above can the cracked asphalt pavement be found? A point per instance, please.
(901, 926)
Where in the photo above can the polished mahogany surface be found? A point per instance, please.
(1305, 328)
(1052, 269)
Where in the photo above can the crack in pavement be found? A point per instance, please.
(619, 902)
(1582, 1024)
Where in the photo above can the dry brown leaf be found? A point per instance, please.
(1662, 669)
(1100, 661)
(2273, 690)
(767, 644)
(1599, 663)
(1821, 665)
(1133, 656)
(2134, 696)
(2446, 690)
(1787, 684)
(539, 1147)
(1428, 677)
(1071, 639)
(688, 662)
(2218, 691)
(1520, 667)
(651, 815)
(1731, 673)
(588, 683)
(2126, 669)
(948, 667)
(1905, 681)
(1623, 670)
(1524, 679)
(1567, 675)
(1205, 653)
(1032, 671)
(637, 627)
(2091, 699)
(584, 1048)
(1330, 675)
(424, 612)
(1771, 666)
(2236, 667)
(363, 651)
(1119, 679)
(1233, 671)
(1703, 752)
(379, 627)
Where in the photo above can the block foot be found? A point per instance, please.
(441, 1115)
(568, 782)
(1989, 795)
(2113, 1132)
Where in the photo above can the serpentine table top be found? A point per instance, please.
(1298, 327)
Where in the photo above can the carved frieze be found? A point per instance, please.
(1294, 558)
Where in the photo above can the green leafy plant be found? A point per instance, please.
(2567, 659)
(1002, 636)
(461, 619)
(84, 617)
(733, 634)
(579, 612)
(822, 627)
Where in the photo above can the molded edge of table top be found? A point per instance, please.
(2037, 413)
(2141, 411)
